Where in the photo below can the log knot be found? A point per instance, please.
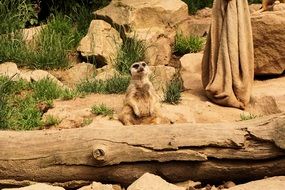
(99, 154)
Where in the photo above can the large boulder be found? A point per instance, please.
(9, 69)
(268, 97)
(102, 42)
(152, 182)
(196, 25)
(31, 35)
(144, 14)
(273, 183)
(37, 75)
(191, 70)
(269, 42)
(151, 21)
(161, 77)
(78, 73)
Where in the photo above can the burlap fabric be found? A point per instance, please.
(228, 62)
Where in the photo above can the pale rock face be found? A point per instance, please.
(194, 26)
(30, 35)
(144, 14)
(102, 41)
(152, 182)
(269, 42)
(274, 183)
(150, 21)
(268, 97)
(9, 69)
(160, 77)
(78, 73)
(108, 74)
(36, 75)
(191, 65)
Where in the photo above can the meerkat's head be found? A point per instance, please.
(139, 69)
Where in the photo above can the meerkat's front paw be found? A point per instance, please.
(137, 111)
(151, 110)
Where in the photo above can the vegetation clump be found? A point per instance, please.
(187, 44)
(244, 116)
(132, 50)
(103, 110)
(115, 85)
(64, 24)
(20, 102)
(172, 94)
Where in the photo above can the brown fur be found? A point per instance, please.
(141, 101)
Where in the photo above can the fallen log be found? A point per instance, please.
(204, 152)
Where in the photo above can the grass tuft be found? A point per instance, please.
(86, 121)
(131, 51)
(244, 116)
(172, 93)
(45, 89)
(102, 110)
(115, 85)
(22, 104)
(187, 44)
(16, 14)
(51, 120)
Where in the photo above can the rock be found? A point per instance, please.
(9, 69)
(100, 186)
(194, 26)
(102, 42)
(269, 42)
(144, 14)
(268, 97)
(158, 50)
(191, 71)
(152, 182)
(279, 6)
(204, 13)
(30, 35)
(107, 74)
(150, 21)
(77, 112)
(273, 183)
(178, 114)
(229, 184)
(38, 186)
(254, 7)
(161, 77)
(77, 73)
(189, 184)
(36, 75)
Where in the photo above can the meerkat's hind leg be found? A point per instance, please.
(127, 116)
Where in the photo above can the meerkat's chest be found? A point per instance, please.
(144, 100)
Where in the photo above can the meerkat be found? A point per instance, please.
(267, 3)
(141, 100)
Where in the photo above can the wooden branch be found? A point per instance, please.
(251, 149)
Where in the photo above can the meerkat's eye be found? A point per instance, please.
(143, 64)
(136, 66)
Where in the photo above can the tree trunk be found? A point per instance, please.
(205, 152)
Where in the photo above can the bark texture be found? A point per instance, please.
(213, 152)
